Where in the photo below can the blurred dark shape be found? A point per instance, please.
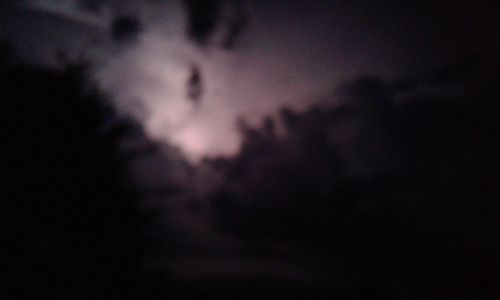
(203, 18)
(236, 25)
(125, 29)
(195, 85)
(367, 93)
(93, 6)
(269, 127)
(289, 117)
(449, 79)
(7, 55)
(401, 197)
(235, 31)
(62, 57)
(70, 227)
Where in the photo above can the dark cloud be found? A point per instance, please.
(93, 6)
(236, 24)
(125, 29)
(390, 194)
(378, 176)
(386, 189)
(205, 18)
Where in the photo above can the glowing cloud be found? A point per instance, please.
(150, 81)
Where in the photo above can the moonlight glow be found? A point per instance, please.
(149, 81)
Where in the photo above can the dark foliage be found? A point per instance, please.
(69, 224)
(396, 191)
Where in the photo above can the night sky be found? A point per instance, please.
(242, 148)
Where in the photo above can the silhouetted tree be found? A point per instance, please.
(68, 215)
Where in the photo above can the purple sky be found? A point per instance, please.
(291, 54)
(401, 150)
